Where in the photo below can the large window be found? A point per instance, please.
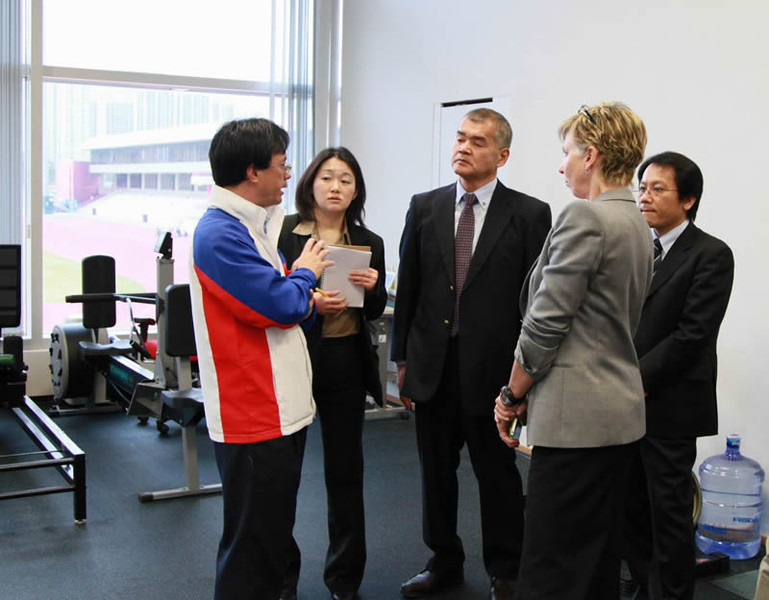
(120, 166)
(121, 102)
(229, 39)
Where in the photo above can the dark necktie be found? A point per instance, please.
(657, 253)
(463, 251)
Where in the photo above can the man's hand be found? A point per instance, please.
(329, 303)
(313, 257)
(401, 375)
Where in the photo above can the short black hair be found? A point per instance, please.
(688, 176)
(305, 201)
(241, 143)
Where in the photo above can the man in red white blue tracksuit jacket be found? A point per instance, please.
(258, 384)
(255, 372)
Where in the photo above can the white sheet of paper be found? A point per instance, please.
(335, 277)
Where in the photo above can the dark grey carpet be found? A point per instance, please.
(166, 549)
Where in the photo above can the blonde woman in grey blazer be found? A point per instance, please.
(576, 378)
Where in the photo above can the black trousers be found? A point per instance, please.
(443, 427)
(574, 508)
(659, 545)
(259, 486)
(340, 396)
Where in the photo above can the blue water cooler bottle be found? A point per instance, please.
(731, 503)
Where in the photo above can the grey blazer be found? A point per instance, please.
(582, 303)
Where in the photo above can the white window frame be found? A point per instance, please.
(36, 74)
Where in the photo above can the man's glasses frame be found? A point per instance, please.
(286, 168)
(654, 191)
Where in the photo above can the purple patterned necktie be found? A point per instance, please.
(463, 251)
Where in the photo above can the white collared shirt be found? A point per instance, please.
(483, 195)
(667, 240)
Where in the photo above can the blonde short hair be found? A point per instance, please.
(615, 131)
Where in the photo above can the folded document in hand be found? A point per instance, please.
(336, 277)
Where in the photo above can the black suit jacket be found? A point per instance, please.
(513, 232)
(291, 244)
(676, 339)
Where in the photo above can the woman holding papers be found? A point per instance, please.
(330, 197)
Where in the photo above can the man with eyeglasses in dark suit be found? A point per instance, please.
(676, 346)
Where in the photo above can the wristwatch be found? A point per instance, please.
(508, 398)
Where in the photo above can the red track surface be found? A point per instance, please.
(131, 245)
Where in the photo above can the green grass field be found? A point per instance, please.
(62, 277)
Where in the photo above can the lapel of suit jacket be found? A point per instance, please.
(497, 219)
(444, 226)
(674, 258)
(358, 235)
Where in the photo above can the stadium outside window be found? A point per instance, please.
(129, 101)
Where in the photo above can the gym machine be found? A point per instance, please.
(57, 450)
(92, 372)
(182, 401)
(124, 373)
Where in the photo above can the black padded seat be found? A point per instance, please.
(95, 350)
(183, 406)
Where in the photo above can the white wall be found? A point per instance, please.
(695, 71)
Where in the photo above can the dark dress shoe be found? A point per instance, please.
(344, 595)
(429, 582)
(502, 589)
(627, 586)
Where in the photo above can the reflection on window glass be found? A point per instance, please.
(227, 39)
(122, 165)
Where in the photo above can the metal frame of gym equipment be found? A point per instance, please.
(183, 403)
(56, 448)
(391, 405)
(166, 392)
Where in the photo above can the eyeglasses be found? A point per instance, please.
(583, 110)
(655, 192)
(286, 168)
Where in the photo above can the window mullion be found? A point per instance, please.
(33, 165)
(159, 81)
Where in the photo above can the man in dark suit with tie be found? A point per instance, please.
(464, 253)
(676, 346)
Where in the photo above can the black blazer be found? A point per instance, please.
(291, 244)
(513, 232)
(676, 339)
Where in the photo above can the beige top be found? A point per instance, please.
(345, 323)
